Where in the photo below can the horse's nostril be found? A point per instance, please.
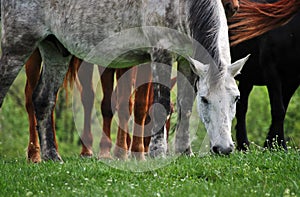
(216, 149)
(225, 151)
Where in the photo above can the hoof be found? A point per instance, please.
(184, 151)
(52, 155)
(243, 148)
(140, 156)
(87, 153)
(275, 144)
(33, 154)
(120, 153)
(157, 151)
(105, 156)
(35, 159)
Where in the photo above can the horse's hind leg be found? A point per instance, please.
(55, 66)
(85, 76)
(276, 133)
(185, 100)
(124, 108)
(140, 111)
(107, 82)
(161, 108)
(33, 66)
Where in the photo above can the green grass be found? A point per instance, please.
(256, 173)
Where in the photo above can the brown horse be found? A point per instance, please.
(123, 104)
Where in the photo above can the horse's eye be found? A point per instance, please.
(237, 98)
(204, 100)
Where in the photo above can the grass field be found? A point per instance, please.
(256, 173)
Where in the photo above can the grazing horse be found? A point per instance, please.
(45, 24)
(87, 94)
(271, 33)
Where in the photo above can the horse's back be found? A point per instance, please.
(96, 21)
(275, 51)
(281, 47)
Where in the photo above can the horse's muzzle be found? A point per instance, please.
(224, 151)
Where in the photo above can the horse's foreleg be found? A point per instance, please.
(124, 108)
(107, 82)
(140, 110)
(185, 99)
(148, 122)
(55, 66)
(85, 75)
(33, 66)
(161, 107)
(241, 111)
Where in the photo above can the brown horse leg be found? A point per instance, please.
(148, 123)
(140, 111)
(33, 66)
(85, 74)
(107, 82)
(124, 106)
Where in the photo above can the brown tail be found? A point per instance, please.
(254, 19)
(71, 75)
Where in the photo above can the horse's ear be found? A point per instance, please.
(199, 68)
(236, 67)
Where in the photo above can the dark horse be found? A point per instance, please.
(271, 33)
(128, 33)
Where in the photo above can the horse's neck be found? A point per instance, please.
(167, 13)
(223, 38)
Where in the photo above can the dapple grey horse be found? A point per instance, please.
(133, 32)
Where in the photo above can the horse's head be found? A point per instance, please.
(217, 103)
(231, 7)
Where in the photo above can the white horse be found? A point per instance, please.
(130, 31)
